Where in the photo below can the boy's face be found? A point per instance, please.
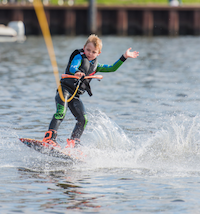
(90, 51)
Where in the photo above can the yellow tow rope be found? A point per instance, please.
(39, 9)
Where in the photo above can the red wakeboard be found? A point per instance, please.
(38, 145)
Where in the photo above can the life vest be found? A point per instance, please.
(86, 67)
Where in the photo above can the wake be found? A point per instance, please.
(175, 147)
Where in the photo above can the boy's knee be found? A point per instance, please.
(83, 120)
(61, 111)
(86, 120)
(59, 116)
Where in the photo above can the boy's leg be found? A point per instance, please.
(51, 134)
(77, 108)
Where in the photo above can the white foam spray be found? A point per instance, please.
(174, 148)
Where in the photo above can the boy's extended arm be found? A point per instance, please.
(118, 63)
(111, 68)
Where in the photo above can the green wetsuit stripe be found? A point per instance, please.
(110, 68)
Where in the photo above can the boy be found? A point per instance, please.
(82, 62)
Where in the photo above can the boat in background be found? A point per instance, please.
(13, 32)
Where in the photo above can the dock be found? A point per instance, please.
(110, 20)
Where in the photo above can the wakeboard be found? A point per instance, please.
(71, 154)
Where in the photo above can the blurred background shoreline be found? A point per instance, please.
(108, 2)
(119, 17)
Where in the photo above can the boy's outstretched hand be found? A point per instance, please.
(129, 54)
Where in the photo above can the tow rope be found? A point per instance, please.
(39, 10)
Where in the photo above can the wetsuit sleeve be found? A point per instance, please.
(75, 64)
(111, 68)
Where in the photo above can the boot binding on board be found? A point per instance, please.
(72, 143)
(50, 139)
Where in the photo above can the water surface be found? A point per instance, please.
(141, 144)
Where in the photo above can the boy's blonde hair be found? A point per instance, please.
(96, 41)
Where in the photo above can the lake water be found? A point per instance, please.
(142, 142)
